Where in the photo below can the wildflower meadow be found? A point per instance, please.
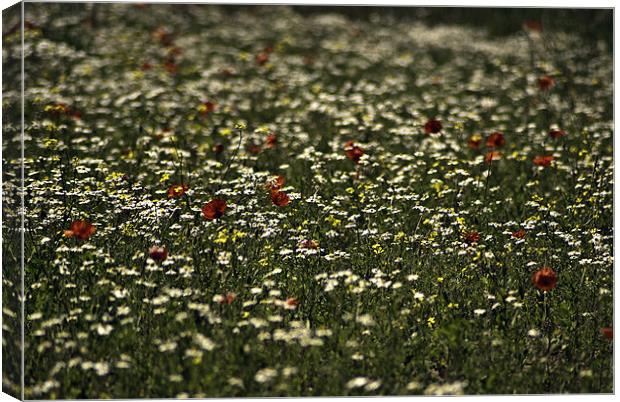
(273, 201)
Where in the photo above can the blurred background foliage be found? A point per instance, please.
(593, 24)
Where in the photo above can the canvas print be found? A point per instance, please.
(232, 201)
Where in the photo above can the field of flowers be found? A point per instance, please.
(261, 202)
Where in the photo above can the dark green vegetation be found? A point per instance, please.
(11, 203)
(402, 262)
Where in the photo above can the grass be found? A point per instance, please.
(390, 261)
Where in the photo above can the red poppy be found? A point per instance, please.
(171, 67)
(146, 66)
(262, 58)
(354, 152)
(218, 149)
(162, 36)
(496, 140)
(274, 183)
(492, 156)
(271, 141)
(228, 298)
(608, 333)
(254, 149)
(532, 25)
(158, 254)
(292, 302)
(280, 198)
(308, 244)
(474, 141)
(557, 133)
(214, 209)
(471, 237)
(432, 126)
(543, 160)
(546, 82)
(177, 190)
(545, 279)
(58, 109)
(62, 109)
(80, 229)
(519, 234)
(206, 107)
